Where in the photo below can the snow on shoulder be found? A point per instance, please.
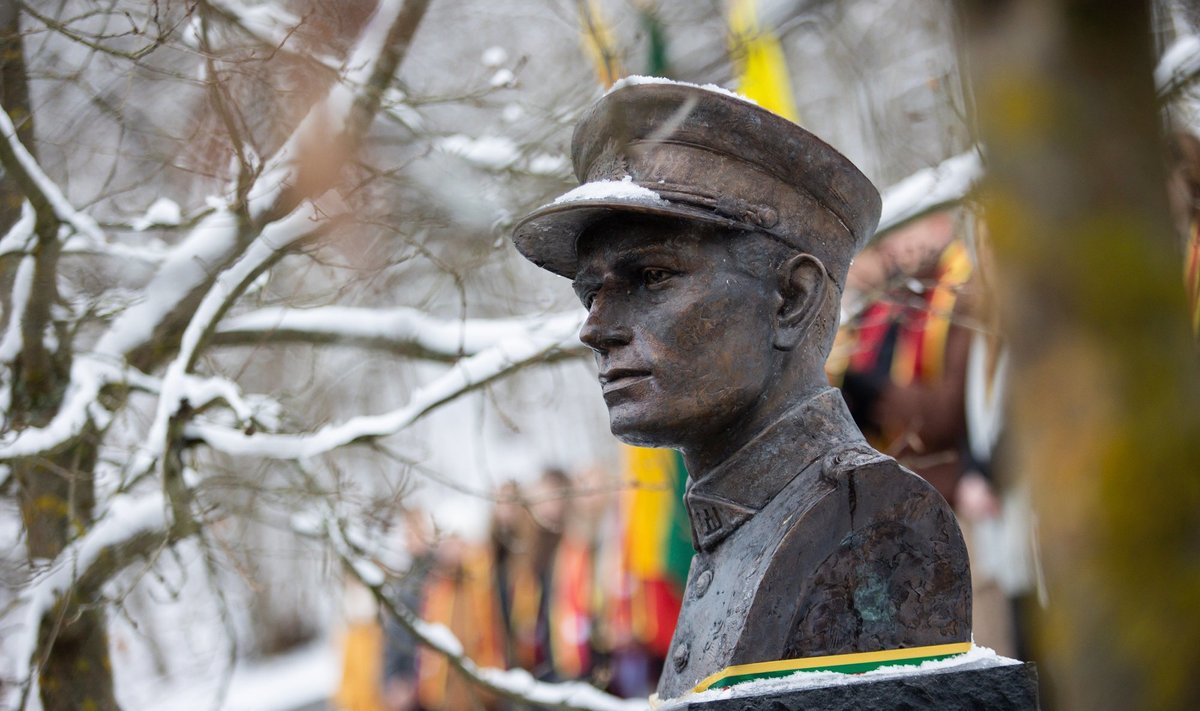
(624, 189)
(637, 80)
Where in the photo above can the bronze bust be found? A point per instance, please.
(709, 241)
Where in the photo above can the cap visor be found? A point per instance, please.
(548, 235)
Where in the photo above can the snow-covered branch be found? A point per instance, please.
(89, 375)
(404, 331)
(148, 255)
(506, 356)
(189, 266)
(11, 341)
(1178, 67)
(515, 684)
(339, 120)
(178, 387)
(133, 528)
(149, 331)
(19, 238)
(47, 198)
(272, 26)
(930, 189)
(275, 28)
(337, 123)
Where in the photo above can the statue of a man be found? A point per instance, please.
(709, 242)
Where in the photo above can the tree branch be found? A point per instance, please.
(132, 530)
(271, 26)
(468, 374)
(178, 397)
(929, 190)
(308, 162)
(515, 684)
(403, 331)
(1177, 68)
(274, 29)
(48, 200)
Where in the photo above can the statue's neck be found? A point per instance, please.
(705, 455)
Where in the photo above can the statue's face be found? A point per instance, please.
(681, 333)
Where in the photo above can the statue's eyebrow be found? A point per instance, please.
(587, 278)
(634, 256)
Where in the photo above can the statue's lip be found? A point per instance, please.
(618, 378)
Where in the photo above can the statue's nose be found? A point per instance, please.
(605, 326)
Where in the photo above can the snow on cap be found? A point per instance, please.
(624, 189)
(707, 155)
(639, 80)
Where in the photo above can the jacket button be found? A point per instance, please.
(680, 658)
(703, 580)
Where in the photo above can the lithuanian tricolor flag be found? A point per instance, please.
(658, 545)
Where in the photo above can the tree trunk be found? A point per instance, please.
(56, 493)
(1106, 401)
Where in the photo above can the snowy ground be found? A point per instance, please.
(303, 680)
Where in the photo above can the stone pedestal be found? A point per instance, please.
(1008, 686)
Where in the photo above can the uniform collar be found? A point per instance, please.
(732, 492)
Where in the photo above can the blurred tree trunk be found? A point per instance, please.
(1106, 411)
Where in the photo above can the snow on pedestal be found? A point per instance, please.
(936, 681)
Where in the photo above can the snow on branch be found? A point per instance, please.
(189, 265)
(177, 386)
(150, 254)
(340, 120)
(1178, 67)
(146, 331)
(341, 117)
(270, 25)
(89, 375)
(508, 355)
(86, 381)
(38, 187)
(132, 528)
(930, 189)
(10, 342)
(19, 238)
(274, 27)
(515, 684)
(404, 331)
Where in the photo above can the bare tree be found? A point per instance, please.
(101, 317)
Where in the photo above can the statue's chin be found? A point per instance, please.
(642, 433)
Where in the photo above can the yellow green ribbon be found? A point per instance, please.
(855, 663)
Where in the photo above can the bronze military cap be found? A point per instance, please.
(670, 149)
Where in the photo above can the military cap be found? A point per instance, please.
(656, 147)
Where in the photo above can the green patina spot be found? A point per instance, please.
(871, 599)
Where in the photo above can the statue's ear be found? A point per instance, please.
(803, 290)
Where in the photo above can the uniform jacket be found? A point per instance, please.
(811, 543)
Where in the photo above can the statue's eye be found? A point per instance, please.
(652, 276)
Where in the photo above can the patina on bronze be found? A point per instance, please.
(709, 247)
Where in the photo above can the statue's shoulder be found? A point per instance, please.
(878, 562)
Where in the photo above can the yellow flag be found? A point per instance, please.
(599, 43)
(649, 502)
(758, 58)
